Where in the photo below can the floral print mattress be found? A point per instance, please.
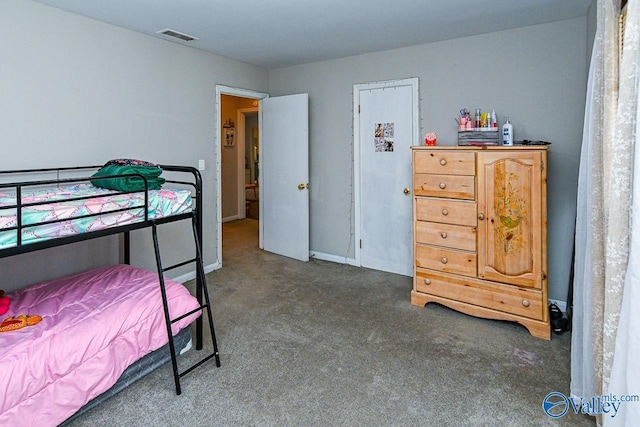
(105, 211)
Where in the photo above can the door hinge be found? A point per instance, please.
(358, 108)
(541, 166)
(360, 243)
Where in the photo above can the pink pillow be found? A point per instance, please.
(4, 305)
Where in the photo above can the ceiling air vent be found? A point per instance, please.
(175, 34)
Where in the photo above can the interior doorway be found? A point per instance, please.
(236, 158)
(237, 164)
(283, 169)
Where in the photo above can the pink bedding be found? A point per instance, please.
(94, 324)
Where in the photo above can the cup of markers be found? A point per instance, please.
(464, 121)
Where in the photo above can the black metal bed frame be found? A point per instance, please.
(195, 215)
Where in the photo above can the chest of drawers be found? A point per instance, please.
(480, 228)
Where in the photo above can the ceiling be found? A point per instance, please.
(280, 33)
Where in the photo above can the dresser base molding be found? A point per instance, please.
(536, 328)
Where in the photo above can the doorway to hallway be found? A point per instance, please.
(238, 162)
(282, 184)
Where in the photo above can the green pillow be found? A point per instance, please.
(128, 183)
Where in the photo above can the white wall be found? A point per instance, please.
(77, 91)
(535, 75)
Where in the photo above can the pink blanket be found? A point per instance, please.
(94, 324)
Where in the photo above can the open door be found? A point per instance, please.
(284, 176)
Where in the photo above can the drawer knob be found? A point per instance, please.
(445, 212)
(427, 281)
(443, 162)
(443, 235)
(443, 185)
(525, 302)
(444, 260)
(480, 216)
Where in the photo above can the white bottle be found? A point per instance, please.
(507, 133)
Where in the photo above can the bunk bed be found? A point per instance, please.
(101, 329)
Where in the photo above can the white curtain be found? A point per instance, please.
(590, 241)
(625, 372)
(604, 202)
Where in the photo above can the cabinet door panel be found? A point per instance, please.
(510, 212)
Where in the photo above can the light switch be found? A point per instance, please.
(201, 164)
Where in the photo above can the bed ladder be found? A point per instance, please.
(201, 290)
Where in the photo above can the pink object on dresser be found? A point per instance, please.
(94, 325)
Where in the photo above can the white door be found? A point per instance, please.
(385, 128)
(284, 176)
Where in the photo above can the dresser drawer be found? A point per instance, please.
(447, 260)
(444, 162)
(449, 186)
(451, 236)
(448, 211)
(505, 298)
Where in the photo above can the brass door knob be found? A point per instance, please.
(442, 185)
(406, 190)
(443, 235)
(444, 260)
(427, 281)
(525, 303)
(443, 162)
(445, 212)
(480, 216)
(302, 186)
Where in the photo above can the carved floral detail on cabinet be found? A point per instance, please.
(511, 207)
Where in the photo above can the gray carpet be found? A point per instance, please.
(319, 343)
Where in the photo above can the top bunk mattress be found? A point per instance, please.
(106, 209)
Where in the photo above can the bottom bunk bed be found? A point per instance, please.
(94, 326)
(138, 370)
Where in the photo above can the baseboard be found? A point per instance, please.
(332, 258)
(231, 218)
(192, 274)
(562, 305)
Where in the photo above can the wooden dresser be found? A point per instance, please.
(480, 232)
